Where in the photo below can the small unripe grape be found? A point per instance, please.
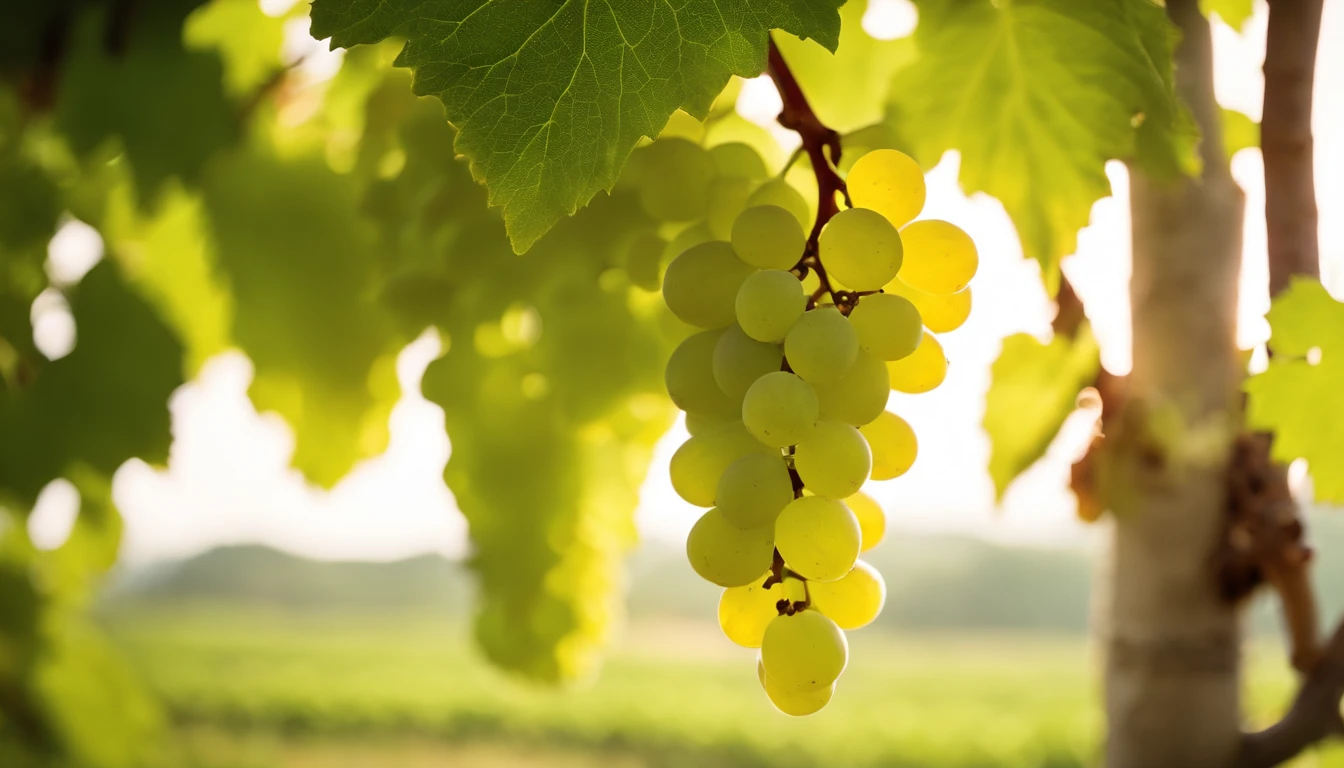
(781, 193)
(754, 489)
(872, 520)
(818, 538)
(769, 237)
(861, 249)
(674, 179)
(888, 327)
(780, 409)
(940, 313)
(805, 650)
(854, 600)
(833, 460)
(860, 396)
(701, 284)
(939, 257)
(723, 554)
(740, 160)
(821, 346)
(922, 371)
(690, 378)
(889, 182)
(893, 443)
(769, 303)
(740, 360)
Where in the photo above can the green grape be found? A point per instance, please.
(740, 160)
(675, 176)
(701, 284)
(780, 409)
(893, 444)
(939, 257)
(644, 260)
(833, 460)
(860, 249)
(872, 520)
(781, 193)
(699, 463)
(754, 489)
(687, 237)
(888, 182)
(860, 396)
(769, 303)
(887, 326)
(805, 650)
(768, 237)
(941, 313)
(797, 702)
(853, 601)
(727, 198)
(698, 423)
(922, 371)
(723, 554)
(690, 378)
(819, 538)
(821, 346)
(740, 360)
(745, 611)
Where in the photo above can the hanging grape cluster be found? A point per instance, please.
(785, 388)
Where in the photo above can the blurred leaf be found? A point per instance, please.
(1239, 132)
(1298, 396)
(1234, 13)
(247, 40)
(1036, 96)
(1034, 388)
(550, 98)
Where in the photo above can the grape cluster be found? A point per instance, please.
(785, 388)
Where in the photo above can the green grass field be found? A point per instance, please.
(251, 688)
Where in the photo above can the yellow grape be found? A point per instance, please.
(805, 650)
(781, 193)
(860, 396)
(818, 538)
(700, 286)
(780, 409)
(853, 601)
(690, 378)
(888, 326)
(700, 462)
(754, 489)
(745, 611)
(941, 313)
(738, 159)
(769, 303)
(769, 237)
(872, 520)
(833, 460)
(861, 249)
(893, 444)
(888, 182)
(822, 345)
(723, 554)
(696, 423)
(675, 178)
(740, 360)
(797, 702)
(922, 371)
(939, 257)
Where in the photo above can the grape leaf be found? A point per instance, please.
(1239, 132)
(550, 98)
(1234, 13)
(1036, 96)
(1034, 388)
(1298, 396)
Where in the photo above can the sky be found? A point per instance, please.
(228, 479)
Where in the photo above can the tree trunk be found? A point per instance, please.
(1172, 643)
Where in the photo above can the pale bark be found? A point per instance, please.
(1171, 641)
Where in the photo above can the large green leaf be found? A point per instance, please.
(1037, 95)
(550, 97)
(1298, 396)
(1035, 387)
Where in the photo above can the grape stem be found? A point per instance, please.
(797, 115)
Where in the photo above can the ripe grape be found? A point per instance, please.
(822, 345)
(853, 601)
(861, 249)
(699, 463)
(769, 303)
(780, 409)
(738, 159)
(686, 238)
(768, 237)
(779, 192)
(805, 650)
(754, 489)
(860, 396)
(872, 520)
(939, 257)
(727, 198)
(893, 444)
(888, 182)
(701, 284)
(819, 538)
(745, 611)
(797, 702)
(690, 378)
(887, 326)
(922, 371)
(833, 460)
(739, 360)
(697, 423)
(727, 555)
(674, 179)
(941, 313)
